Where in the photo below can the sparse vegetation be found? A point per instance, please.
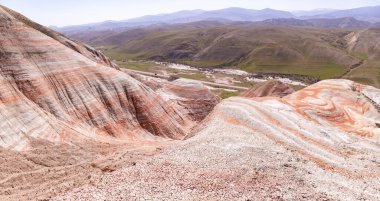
(368, 74)
(270, 49)
(136, 65)
(224, 94)
(117, 55)
(195, 76)
(321, 71)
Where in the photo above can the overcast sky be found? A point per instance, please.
(72, 12)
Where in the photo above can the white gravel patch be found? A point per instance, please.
(284, 80)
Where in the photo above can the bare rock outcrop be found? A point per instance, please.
(190, 96)
(9, 16)
(269, 88)
(55, 89)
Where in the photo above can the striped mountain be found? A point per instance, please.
(56, 89)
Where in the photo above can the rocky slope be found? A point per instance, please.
(62, 91)
(320, 143)
(79, 47)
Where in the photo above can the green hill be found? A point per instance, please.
(318, 52)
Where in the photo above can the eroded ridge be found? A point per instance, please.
(334, 123)
(58, 90)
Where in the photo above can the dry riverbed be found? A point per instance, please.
(224, 82)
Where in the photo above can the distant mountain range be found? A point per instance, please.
(346, 22)
(314, 12)
(359, 16)
(370, 14)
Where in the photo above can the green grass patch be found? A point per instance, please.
(322, 71)
(227, 94)
(140, 66)
(203, 63)
(120, 55)
(195, 76)
(368, 74)
(362, 80)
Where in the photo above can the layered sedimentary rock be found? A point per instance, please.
(79, 47)
(192, 96)
(189, 96)
(58, 90)
(269, 88)
(333, 123)
(320, 143)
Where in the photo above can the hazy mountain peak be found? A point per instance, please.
(233, 14)
(318, 11)
(370, 14)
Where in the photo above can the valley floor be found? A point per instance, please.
(223, 82)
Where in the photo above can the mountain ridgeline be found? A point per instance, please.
(366, 14)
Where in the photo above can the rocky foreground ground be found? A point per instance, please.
(320, 143)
